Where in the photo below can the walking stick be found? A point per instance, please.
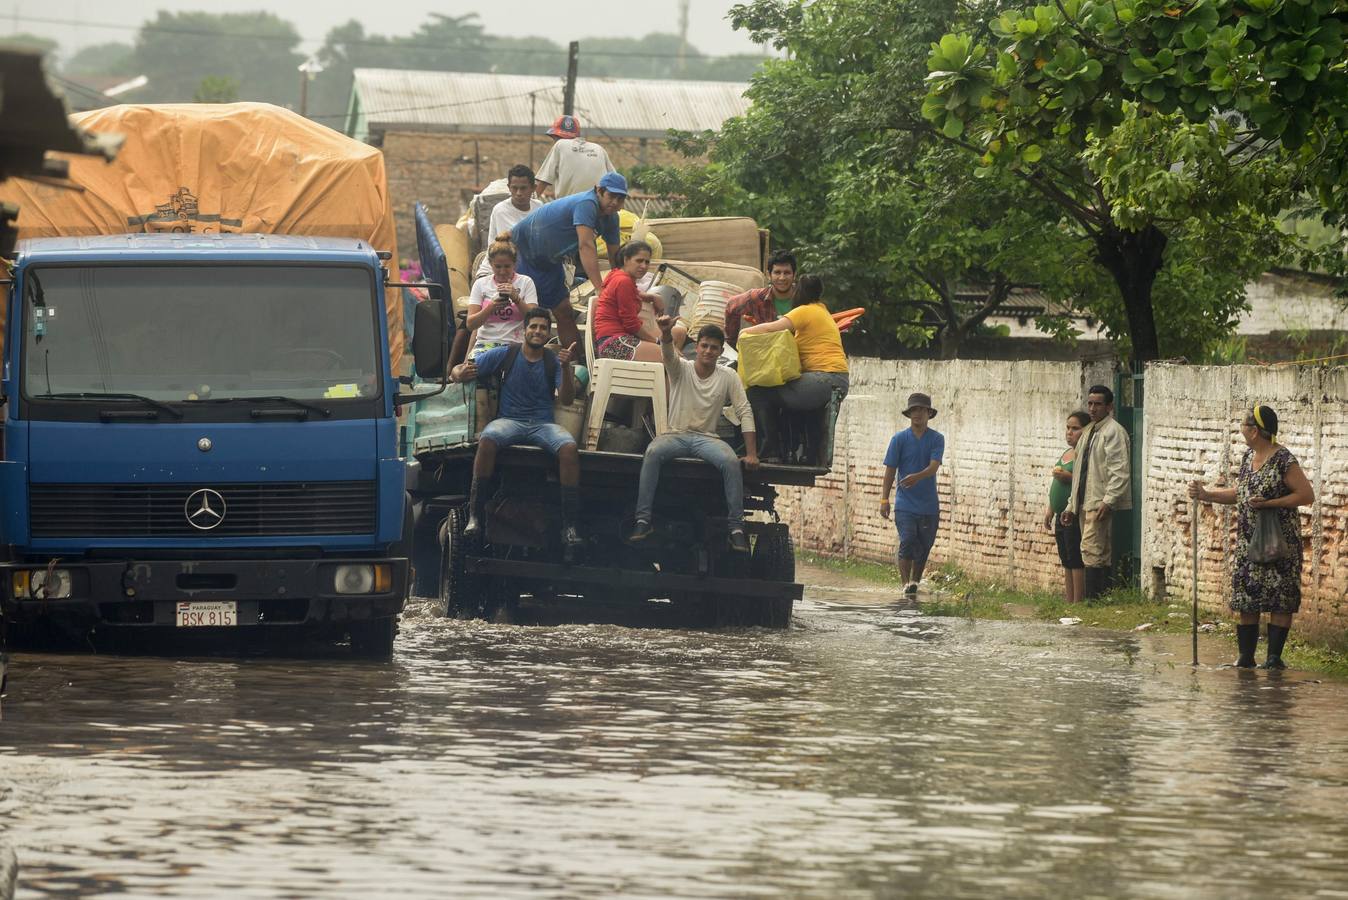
(1193, 540)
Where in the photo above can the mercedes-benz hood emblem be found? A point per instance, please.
(204, 509)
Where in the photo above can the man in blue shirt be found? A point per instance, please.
(915, 454)
(525, 415)
(567, 228)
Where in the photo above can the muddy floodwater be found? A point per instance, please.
(868, 751)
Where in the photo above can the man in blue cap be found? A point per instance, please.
(567, 228)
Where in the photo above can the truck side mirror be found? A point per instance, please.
(430, 339)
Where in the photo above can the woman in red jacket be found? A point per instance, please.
(619, 332)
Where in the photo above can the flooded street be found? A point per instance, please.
(866, 752)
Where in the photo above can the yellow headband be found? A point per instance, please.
(1259, 420)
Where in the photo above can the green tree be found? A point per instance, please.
(1145, 120)
(837, 159)
(102, 59)
(216, 89)
(256, 50)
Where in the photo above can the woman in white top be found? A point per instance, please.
(498, 302)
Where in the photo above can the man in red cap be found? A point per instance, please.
(573, 164)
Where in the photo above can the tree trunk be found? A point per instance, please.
(1134, 258)
(952, 336)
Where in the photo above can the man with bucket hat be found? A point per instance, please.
(573, 165)
(914, 455)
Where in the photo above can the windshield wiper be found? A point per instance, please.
(110, 395)
(276, 398)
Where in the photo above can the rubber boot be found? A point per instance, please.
(571, 539)
(1097, 581)
(1277, 637)
(473, 527)
(1247, 640)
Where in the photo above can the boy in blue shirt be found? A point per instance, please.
(915, 454)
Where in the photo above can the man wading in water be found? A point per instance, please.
(914, 454)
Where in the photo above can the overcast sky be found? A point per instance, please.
(77, 23)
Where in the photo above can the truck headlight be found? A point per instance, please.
(43, 584)
(363, 579)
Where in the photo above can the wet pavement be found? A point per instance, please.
(868, 751)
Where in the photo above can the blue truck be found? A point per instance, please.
(200, 434)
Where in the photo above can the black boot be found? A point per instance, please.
(1247, 639)
(473, 526)
(1277, 637)
(571, 539)
(1096, 582)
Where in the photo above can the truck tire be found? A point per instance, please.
(774, 557)
(461, 592)
(373, 638)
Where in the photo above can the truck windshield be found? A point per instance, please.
(183, 333)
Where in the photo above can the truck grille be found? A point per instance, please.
(160, 510)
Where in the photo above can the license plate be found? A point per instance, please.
(207, 615)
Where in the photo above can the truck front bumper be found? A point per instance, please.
(271, 592)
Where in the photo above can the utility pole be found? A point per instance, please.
(533, 104)
(308, 69)
(683, 36)
(572, 67)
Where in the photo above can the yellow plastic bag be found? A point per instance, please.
(768, 360)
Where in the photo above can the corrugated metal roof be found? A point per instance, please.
(396, 99)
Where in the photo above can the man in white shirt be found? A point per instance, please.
(573, 164)
(508, 213)
(698, 391)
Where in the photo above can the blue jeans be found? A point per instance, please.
(917, 534)
(514, 433)
(695, 446)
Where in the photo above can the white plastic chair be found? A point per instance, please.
(626, 379)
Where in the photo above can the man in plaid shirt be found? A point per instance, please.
(763, 304)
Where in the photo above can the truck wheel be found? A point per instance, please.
(774, 557)
(373, 638)
(461, 592)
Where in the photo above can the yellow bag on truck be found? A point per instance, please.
(768, 360)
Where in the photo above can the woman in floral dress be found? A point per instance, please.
(1269, 478)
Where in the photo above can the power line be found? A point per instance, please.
(387, 44)
(380, 112)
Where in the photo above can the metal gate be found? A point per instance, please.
(1129, 395)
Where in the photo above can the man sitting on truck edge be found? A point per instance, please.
(529, 374)
(563, 228)
(698, 391)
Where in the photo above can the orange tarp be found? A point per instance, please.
(218, 168)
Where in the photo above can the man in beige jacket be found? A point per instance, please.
(1101, 484)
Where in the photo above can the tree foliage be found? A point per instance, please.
(103, 59)
(1148, 119)
(176, 51)
(216, 89)
(838, 157)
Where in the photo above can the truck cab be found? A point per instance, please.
(199, 433)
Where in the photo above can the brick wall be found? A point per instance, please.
(1003, 424)
(443, 171)
(1191, 431)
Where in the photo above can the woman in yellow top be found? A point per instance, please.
(823, 368)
